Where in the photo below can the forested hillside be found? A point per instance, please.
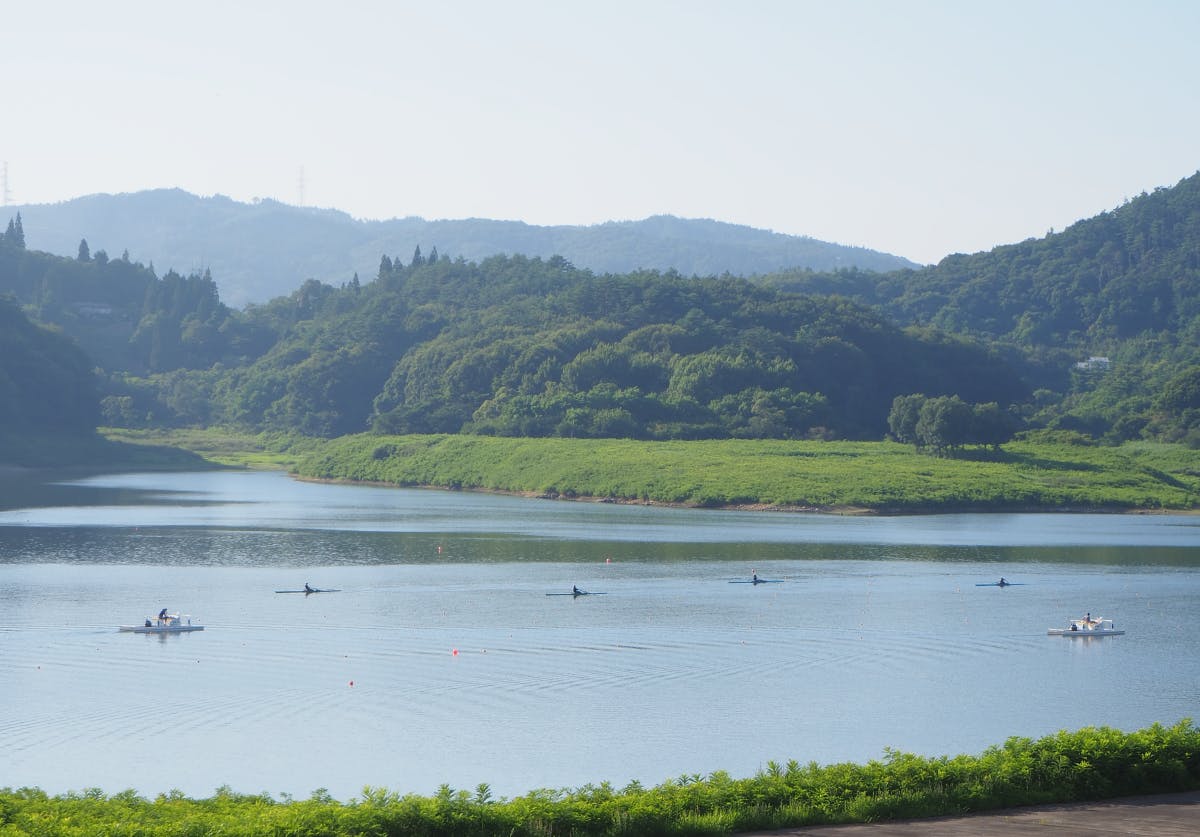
(121, 314)
(1124, 286)
(266, 249)
(509, 345)
(46, 381)
(513, 345)
(518, 346)
(1117, 276)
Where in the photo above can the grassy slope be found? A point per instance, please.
(879, 476)
(824, 475)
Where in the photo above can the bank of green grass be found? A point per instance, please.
(1088, 764)
(880, 476)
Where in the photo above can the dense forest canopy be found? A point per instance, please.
(518, 346)
(1124, 286)
(513, 345)
(46, 382)
(1114, 277)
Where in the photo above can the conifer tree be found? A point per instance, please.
(14, 236)
(85, 255)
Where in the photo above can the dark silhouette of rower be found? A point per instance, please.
(308, 589)
(1002, 581)
(576, 591)
(754, 578)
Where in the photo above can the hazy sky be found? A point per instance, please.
(917, 128)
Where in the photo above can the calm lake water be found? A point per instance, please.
(443, 661)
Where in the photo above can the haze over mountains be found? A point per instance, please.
(258, 251)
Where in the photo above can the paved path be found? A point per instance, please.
(1167, 815)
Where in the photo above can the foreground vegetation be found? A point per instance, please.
(882, 476)
(1091, 763)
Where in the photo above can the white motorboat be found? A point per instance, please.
(164, 623)
(1087, 626)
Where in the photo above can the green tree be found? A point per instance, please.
(991, 426)
(14, 236)
(903, 418)
(1182, 392)
(944, 423)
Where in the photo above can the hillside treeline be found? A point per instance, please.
(526, 347)
(1124, 285)
(122, 315)
(522, 346)
(506, 346)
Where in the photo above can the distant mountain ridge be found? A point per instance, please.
(257, 251)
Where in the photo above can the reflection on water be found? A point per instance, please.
(443, 659)
(256, 505)
(250, 547)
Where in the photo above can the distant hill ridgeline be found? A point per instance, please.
(257, 251)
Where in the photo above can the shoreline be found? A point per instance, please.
(17, 471)
(836, 511)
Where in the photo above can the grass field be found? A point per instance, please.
(831, 476)
(881, 477)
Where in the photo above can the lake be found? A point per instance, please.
(442, 659)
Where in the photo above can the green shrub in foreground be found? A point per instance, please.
(1091, 763)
